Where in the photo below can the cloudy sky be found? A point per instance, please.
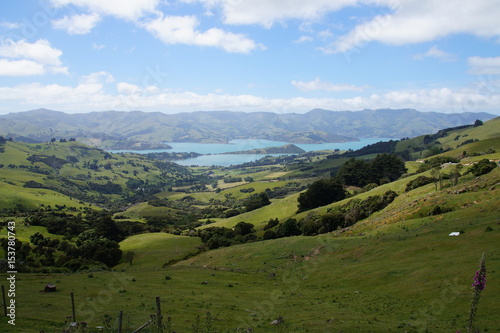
(249, 55)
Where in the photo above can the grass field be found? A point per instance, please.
(154, 250)
(396, 271)
(382, 282)
(393, 272)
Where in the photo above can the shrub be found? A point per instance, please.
(271, 224)
(482, 167)
(418, 182)
(269, 234)
(289, 228)
(232, 180)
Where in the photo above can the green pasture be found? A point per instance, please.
(143, 209)
(32, 198)
(153, 250)
(408, 280)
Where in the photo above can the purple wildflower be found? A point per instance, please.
(477, 286)
(480, 279)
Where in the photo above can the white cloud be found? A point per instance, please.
(10, 25)
(317, 84)
(435, 52)
(40, 51)
(37, 58)
(126, 9)
(58, 70)
(484, 66)
(182, 30)
(127, 88)
(169, 29)
(417, 21)
(396, 22)
(77, 24)
(304, 39)
(20, 68)
(268, 12)
(91, 95)
(97, 77)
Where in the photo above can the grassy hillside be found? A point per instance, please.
(453, 139)
(397, 270)
(151, 249)
(73, 174)
(393, 272)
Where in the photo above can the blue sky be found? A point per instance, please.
(249, 55)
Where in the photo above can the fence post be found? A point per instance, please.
(73, 306)
(120, 319)
(158, 313)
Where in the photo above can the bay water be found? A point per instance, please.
(215, 153)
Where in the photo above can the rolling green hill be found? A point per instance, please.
(397, 270)
(76, 174)
(394, 272)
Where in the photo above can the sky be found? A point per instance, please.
(279, 56)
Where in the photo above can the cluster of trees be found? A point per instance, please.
(346, 215)
(215, 237)
(256, 201)
(382, 169)
(2, 143)
(96, 241)
(186, 214)
(482, 167)
(437, 176)
(340, 217)
(3, 140)
(108, 188)
(228, 180)
(321, 192)
(436, 162)
(62, 140)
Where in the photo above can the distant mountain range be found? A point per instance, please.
(106, 128)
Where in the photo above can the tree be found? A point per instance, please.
(106, 227)
(92, 246)
(436, 175)
(383, 168)
(256, 201)
(321, 192)
(243, 228)
(269, 234)
(271, 224)
(387, 166)
(129, 257)
(455, 174)
(289, 228)
(355, 172)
